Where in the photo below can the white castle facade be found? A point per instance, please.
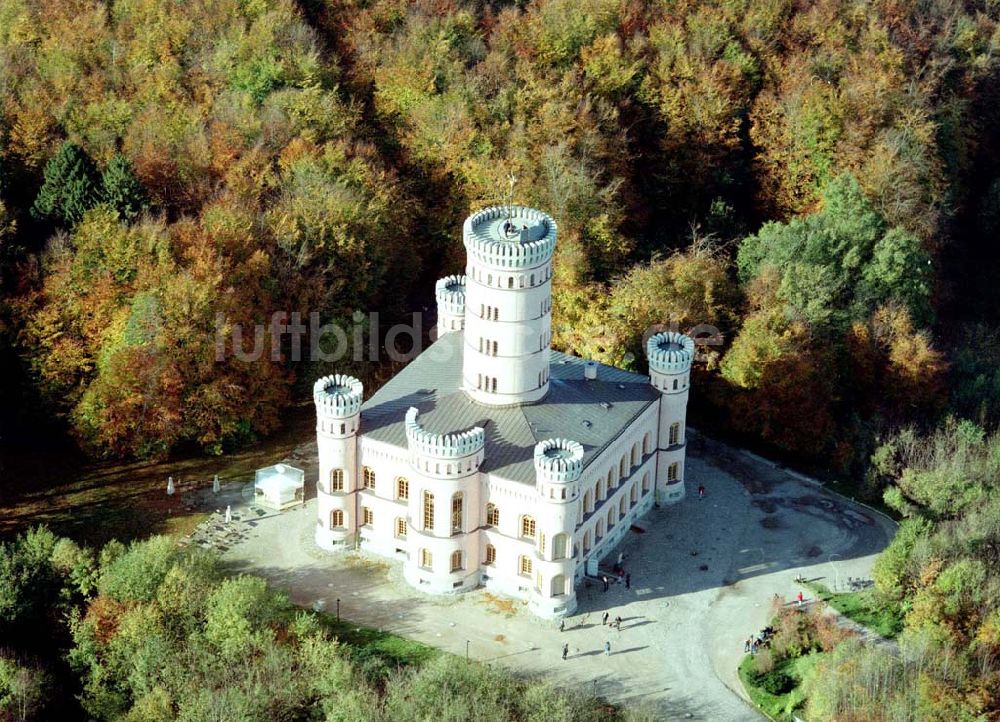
(491, 460)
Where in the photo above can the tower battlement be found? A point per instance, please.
(670, 352)
(558, 460)
(450, 294)
(442, 446)
(338, 395)
(510, 238)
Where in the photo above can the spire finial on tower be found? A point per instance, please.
(508, 227)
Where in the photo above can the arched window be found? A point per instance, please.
(510, 282)
(599, 529)
(673, 472)
(489, 279)
(456, 513)
(622, 506)
(586, 541)
(645, 483)
(675, 384)
(520, 281)
(494, 389)
(369, 477)
(456, 561)
(492, 515)
(336, 519)
(611, 518)
(646, 445)
(491, 554)
(599, 490)
(611, 478)
(524, 566)
(528, 527)
(559, 546)
(532, 279)
(367, 518)
(558, 585)
(426, 559)
(675, 433)
(635, 455)
(336, 480)
(622, 469)
(588, 505)
(633, 494)
(402, 487)
(494, 348)
(400, 527)
(428, 511)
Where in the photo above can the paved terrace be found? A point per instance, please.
(703, 577)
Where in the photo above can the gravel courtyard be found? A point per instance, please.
(703, 577)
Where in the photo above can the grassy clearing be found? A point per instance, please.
(93, 502)
(865, 608)
(366, 643)
(780, 707)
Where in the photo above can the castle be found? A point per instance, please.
(491, 460)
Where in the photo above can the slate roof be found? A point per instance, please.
(592, 412)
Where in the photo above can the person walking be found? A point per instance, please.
(565, 651)
(628, 581)
(562, 625)
(618, 623)
(701, 491)
(604, 619)
(746, 645)
(607, 649)
(801, 599)
(605, 580)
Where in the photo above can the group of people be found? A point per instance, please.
(606, 621)
(619, 573)
(753, 644)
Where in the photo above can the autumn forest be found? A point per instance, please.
(814, 184)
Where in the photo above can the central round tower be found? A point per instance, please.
(508, 304)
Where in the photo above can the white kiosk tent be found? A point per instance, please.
(279, 487)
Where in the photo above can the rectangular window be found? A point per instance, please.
(337, 480)
(492, 515)
(426, 559)
(494, 384)
(672, 472)
(401, 527)
(675, 434)
(524, 566)
(528, 527)
(456, 561)
(456, 514)
(491, 554)
(428, 511)
(366, 516)
(402, 488)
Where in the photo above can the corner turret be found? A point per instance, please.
(670, 355)
(450, 295)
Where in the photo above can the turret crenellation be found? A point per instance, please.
(442, 446)
(559, 460)
(450, 294)
(670, 352)
(510, 237)
(338, 395)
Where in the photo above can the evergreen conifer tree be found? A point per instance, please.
(71, 186)
(122, 189)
